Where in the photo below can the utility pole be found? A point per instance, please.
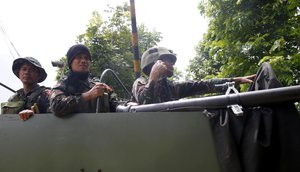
(135, 41)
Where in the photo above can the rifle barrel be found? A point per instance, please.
(7, 87)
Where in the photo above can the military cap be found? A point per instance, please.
(75, 50)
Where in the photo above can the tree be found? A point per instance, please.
(243, 34)
(110, 44)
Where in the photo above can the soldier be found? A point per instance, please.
(32, 98)
(77, 93)
(157, 63)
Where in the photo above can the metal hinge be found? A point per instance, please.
(236, 109)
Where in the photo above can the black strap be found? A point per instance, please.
(32, 97)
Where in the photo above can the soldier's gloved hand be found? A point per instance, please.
(96, 91)
(26, 114)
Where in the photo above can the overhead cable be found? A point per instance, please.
(6, 38)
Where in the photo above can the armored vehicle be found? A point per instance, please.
(249, 131)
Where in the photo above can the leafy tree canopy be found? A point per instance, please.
(243, 34)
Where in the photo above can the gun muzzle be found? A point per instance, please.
(58, 64)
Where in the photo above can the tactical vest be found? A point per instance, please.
(14, 107)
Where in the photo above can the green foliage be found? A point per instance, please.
(110, 44)
(243, 34)
(177, 75)
(61, 71)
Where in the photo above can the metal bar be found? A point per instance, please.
(247, 99)
(117, 78)
(7, 87)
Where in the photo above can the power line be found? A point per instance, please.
(7, 38)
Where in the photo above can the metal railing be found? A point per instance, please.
(116, 78)
(246, 99)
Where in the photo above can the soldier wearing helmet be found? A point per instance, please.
(157, 64)
(32, 98)
(78, 93)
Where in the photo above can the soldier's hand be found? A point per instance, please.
(159, 70)
(25, 114)
(245, 79)
(103, 87)
(96, 91)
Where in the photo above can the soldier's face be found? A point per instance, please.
(81, 63)
(29, 74)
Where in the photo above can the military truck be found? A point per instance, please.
(251, 131)
(241, 132)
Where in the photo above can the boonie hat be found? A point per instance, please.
(20, 61)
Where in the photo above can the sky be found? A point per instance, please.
(46, 29)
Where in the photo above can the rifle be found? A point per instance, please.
(7, 87)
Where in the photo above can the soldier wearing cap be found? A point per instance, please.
(78, 93)
(157, 64)
(32, 98)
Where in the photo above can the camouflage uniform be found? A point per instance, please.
(66, 98)
(166, 90)
(39, 95)
(66, 94)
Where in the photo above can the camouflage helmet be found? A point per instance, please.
(20, 61)
(153, 54)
